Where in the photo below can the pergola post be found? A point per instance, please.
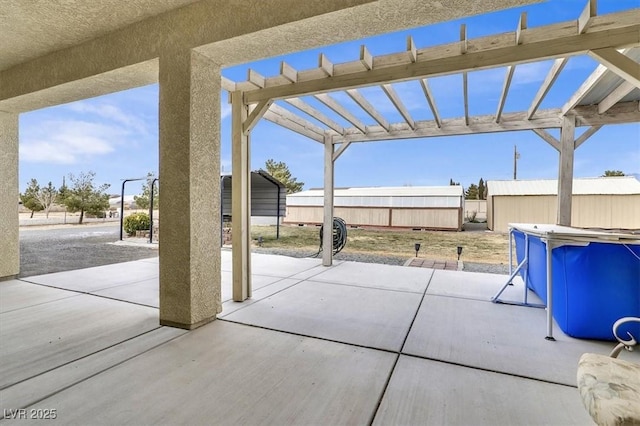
(240, 199)
(327, 230)
(565, 172)
(9, 190)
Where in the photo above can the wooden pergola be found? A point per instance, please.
(610, 95)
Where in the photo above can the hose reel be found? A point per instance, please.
(339, 235)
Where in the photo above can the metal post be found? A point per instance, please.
(278, 216)
(153, 183)
(549, 292)
(221, 211)
(122, 202)
(121, 207)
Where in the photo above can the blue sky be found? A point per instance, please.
(116, 135)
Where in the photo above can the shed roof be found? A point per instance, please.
(388, 191)
(619, 185)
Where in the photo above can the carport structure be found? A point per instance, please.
(52, 53)
(610, 95)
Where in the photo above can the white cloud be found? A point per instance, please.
(111, 113)
(68, 141)
(225, 110)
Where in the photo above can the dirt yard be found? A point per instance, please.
(478, 245)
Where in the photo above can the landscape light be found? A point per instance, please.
(459, 251)
(417, 247)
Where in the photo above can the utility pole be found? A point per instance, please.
(516, 155)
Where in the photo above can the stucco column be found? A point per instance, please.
(9, 222)
(565, 170)
(190, 202)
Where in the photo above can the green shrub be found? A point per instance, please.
(136, 222)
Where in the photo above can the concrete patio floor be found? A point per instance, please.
(351, 344)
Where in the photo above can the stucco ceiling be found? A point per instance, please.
(31, 28)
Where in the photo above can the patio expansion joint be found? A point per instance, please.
(365, 286)
(398, 353)
(41, 303)
(89, 293)
(489, 370)
(94, 374)
(293, 333)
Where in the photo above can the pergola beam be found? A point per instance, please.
(586, 135)
(594, 78)
(341, 111)
(340, 150)
(431, 101)
(455, 126)
(288, 72)
(465, 97)
(548, 138)
(621, 113)
(255, 115)
(412, 51)
(615, 96)
(627, 112)
(311, 111)
(397, 102)
(325, 65)
(522, 25)
(365, 57)
(558, 40)
(505, 90)
(368, 108)
(618, 63)
(551, 77)
(289, 120)
(585, 19)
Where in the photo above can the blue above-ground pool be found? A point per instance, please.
(595, 277)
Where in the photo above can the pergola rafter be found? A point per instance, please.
(608, 96)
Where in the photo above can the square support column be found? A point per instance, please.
(327, 231)
(9, 190)
(190, 279)
(565, 172)
(240, 200)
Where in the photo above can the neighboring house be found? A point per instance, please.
(604, 202)
(415, 207)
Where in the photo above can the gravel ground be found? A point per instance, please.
(388, 260)
(46, 250)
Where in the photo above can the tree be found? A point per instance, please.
(481, 190)
(609, 173)
(83, 196)
(472, 192)
(452, 183)
(281, 172)
(30, 197)
(143, 200)
(46, 197)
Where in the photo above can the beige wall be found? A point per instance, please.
(588, 211)
(478, 206)
(364, 216)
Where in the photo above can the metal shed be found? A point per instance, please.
(605, 202)
(267, 198)
(424, 207)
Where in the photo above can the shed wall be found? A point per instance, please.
(264, 196)
(588, 211)
(443, 218)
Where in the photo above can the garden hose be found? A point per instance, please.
(339, 236)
